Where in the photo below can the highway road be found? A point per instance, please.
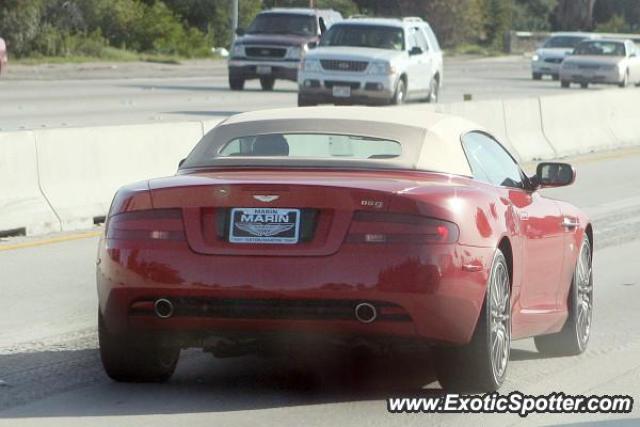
(98, 94)
(50, 374)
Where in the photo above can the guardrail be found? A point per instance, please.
(64, 179)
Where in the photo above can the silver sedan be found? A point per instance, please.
(602, 61)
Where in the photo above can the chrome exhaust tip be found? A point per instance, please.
(163, 308)
(365, 312)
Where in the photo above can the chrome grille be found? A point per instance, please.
(339, 65)
(265, 52)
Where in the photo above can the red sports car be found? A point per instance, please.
(386, 225)
(3, 56)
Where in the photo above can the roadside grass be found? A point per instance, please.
(108, 54)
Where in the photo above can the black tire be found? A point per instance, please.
(304, 101)
(470, 368)
(267, 83)
(584, 85)
(565, 84)
(555, 77)
(400, 93)
(573, 339)
(434, 90)
(128, 360)
(625, 82)
(536, 76)
(236, 83)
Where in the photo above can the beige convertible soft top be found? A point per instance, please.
(430, 141)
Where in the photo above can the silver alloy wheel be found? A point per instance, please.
(433, 91)
(400, 93)
(584, 289)
(500, 320)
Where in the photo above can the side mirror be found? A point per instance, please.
(180, 163)
(552, 174)
(416, 50)
(240, 32)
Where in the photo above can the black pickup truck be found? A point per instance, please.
(275, 42)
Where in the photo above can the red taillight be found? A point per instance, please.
(381, 227)
(149, 224)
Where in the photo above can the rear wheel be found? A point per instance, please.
(304, 101)
(434, 90)
(565, 84)
(400, 93)
(574, 336)
(536, 76)
(128, 360)
(267, 83)
(584, 85)
(236, 83)
(555, 77)
(625, 82)
(481, 365)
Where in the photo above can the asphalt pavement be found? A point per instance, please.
(50, 374)
(63, 95)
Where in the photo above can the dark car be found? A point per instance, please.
(275, 42)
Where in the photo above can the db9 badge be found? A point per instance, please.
(264, 225)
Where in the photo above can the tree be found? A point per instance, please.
(345, 7)
(20, 24)
(574, 15)
(533, 15)
(454, 21)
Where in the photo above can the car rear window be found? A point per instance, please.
(563, 42)
(600, 48)
(283, 23)
(321, 146)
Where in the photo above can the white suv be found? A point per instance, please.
(372, 61)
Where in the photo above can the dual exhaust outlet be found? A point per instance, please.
(364, 312)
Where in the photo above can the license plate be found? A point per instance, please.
(341, 91)
(263, 69)
(264, 225)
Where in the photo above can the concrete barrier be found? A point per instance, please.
(488, 114)
(23, 208)
(64, 179)
(577, 123)
(523, 123)
(80, 169)
(623, 115)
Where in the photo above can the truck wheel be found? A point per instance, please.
(565, 84)
(304, 101)
(434, 90)
(267, 83)
(236, 83)
(625, 82)
(400, 94)
(536, 76)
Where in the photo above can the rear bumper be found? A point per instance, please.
(597, 76)
(248, 69)
(420, 292)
